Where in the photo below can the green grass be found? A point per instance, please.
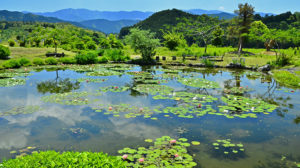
(66, 159)
(287, 78)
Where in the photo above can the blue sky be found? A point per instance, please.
(268, 6)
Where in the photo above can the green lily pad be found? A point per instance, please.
(199, 83)
(70, 98)
(114, 89)
(153, 89)
(21, 110)
(195, 143)
(9, 82)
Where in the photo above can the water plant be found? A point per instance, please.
(199, 83)
(124, 110)
(9, 82)
(70, 98)
(238, 90)
(242, 107)
(225, 147)
(166, 152)
(114, 88)
(91, 80)
(65, 159)
(103, 73)
(153, 89)
(20, 110)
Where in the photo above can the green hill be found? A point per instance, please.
(108, 26)
(157, 21)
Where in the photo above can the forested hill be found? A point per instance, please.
(281, 21)
(19, 16)
(157, 21)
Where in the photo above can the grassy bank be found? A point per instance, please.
(287, 78)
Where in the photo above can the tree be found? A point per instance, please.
(199, 29)
(11, 43)
(143, 41)
(55, 34)
(4, 52)
(173, 40)
(114, 42)
(245, 17)
(91, 45)
(218, 34)
(260, 33)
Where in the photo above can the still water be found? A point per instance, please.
(270, 140)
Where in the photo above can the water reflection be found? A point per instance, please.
(57, 86)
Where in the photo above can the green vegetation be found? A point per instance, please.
(287, 78)
(166, 152)
(86, 58)
(4, 52)
(65, 159)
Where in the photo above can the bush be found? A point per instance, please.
(11, 43)
(11, 64)
(24, 62)
(102, 60)
(67, 60)
(116, 55)
(66, 159)
(51, 61)
(287, 78)
(38, 61)
(4, 52)
(91, 45)
(207, 62)
(86, 58)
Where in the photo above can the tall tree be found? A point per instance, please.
(245, 18)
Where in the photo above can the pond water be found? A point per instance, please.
(120, 106)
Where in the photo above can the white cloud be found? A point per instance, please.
(221, 8)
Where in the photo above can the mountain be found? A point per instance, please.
(223, 15)
(201, 11)
(157, 21)
(79, 15)
(19, 16)
(108, 26)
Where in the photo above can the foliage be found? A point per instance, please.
(70, 98)
(143, 41)
(11, 64)
(65, 159)
(38, 61)
(89, 57)
(198, 82)
(174, 40)
(4, 52)
(11, 43)
(287, 78)
(114, 89)
(207, 62)
(51, 61)
(91, 45)
(217, 36)
(153, 89)
(102, 60)
(116, 55)
(166, 152)
(24, 62)
(226, 147)
(67, 60)
(244, 20)
(9, 82)
(21, 110)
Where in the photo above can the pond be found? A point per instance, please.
(241, 118)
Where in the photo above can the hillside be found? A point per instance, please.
(107, 26)
(157, 21)
(79, 15)
(19, 16)
(223, 15)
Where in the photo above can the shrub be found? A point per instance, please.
(11, 43)
(102, 60)
(86, 58)
(66, 159)
(67, 60)
(11, 64)
(51, 61)
(24, 62)
(38, 61)
(287, 78)
(207, 62)
(4, 52)
(91, 45)
(116, 55)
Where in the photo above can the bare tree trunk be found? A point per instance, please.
(240, 50)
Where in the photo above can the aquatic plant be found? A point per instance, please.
(166, 152)
(23, 152)
(242, 107)
(103, 73)
(124, 110)
(91, 80)
(20, 110)
(65, 159)
(71, 98)
(238, 90)
(153, 89)
(114, 88)
(9, 82)
(199, 83)
(226, 147)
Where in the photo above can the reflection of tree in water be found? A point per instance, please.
(297, 120)
(57, 85)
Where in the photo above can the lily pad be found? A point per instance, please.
(9, 82)
(114, 89)
(153, 89)
(199, 83)
(71, 98)
(21, 110)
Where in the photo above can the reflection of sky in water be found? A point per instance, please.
(49, 128)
